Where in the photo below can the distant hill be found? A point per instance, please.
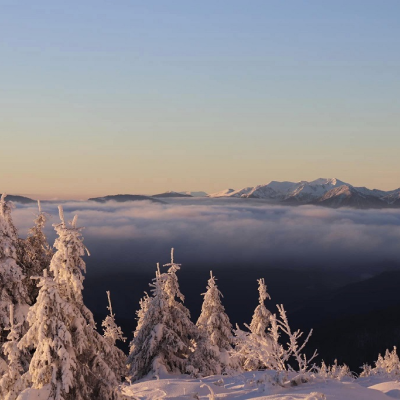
(171, 194)
(331, 192)
(355, 322)
(122, 198)
(20, 199)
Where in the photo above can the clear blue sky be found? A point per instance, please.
(100, 97)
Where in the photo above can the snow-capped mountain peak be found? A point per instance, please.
(331, 192)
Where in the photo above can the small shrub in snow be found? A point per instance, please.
(388, 365)
(334, 371)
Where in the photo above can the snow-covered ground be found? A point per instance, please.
(260, 385)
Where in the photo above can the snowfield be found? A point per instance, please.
(260, 385)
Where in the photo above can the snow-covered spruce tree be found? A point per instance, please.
(35, 254)
(71, 356)
(12, 382)
(265, 351)
(214, 323)
(162, 339)
(205, 358)
(12, 290)
(261, 317)
(213, 320)
(55, 359)
(249, 345)
(112, 333)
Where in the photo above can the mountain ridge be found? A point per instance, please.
(329, 192)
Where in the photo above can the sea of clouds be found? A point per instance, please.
(136, 235)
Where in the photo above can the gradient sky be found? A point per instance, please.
(104, 97)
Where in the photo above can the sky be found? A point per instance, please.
(100, 97)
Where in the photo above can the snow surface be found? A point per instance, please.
(258, 385)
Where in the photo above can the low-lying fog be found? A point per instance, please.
(136, 235)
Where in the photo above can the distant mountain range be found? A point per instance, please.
(325, 192)
(154, 198)
(330, 192)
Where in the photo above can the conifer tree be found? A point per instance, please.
(260, 348)
(55, 358)
(71, 356)
(249, 345)
(216, 329)
(261, 316)
(35, 254)
(213, 320)
(12, 382)
(162, 339)
(12, 290)
(112, 333)
(204, 359)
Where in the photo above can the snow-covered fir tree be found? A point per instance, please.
(112, 332)
(55, 358)
(214, 322)
(205, 358)
(35, 254)
(12, 289)
(261, 317)
(12, 382)
(162, 339)
(213, 319)
(71, 356)
(249, 345)
(264, 351)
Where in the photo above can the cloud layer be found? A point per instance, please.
(231, 233)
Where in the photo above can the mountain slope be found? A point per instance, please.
(347, 196)
(20, 199)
